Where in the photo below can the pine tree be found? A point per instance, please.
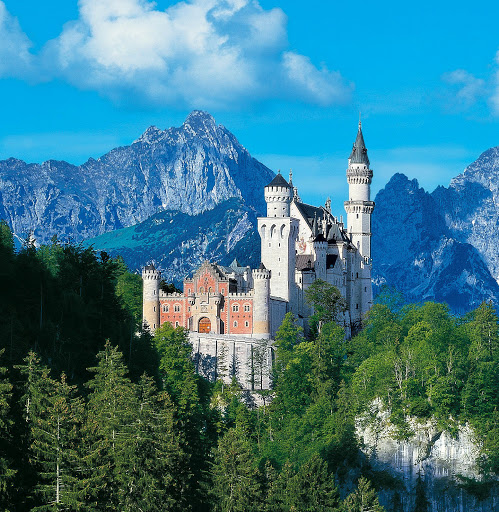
(152, 473)
(55, 448)
(421, 504)
(36, 388)
(312, 489)
(112, 409)
(236, 481)
(7, 472)
(363, 499)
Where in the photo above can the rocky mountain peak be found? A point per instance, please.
(150, 136)
(484, 170)
(199, 123)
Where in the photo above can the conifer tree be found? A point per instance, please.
(112, 409)
(363, 499)
(236, 481)
(55, 448)
(421, 504)
(152, 475)
(36, 388)
(312, 489)
(7, 472)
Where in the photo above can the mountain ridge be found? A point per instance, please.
(191, 169)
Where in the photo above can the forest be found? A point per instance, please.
(96, 414)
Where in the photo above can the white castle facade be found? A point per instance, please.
(232, 313)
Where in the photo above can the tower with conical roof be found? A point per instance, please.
(278, 232)
(359, 208)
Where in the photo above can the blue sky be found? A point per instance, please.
(287, 78)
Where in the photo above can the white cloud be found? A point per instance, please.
(466, 88)
(203, 53)
(15, 58)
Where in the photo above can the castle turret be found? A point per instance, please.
(319, 245)
(261, 311)
(359, 208)
(150, 303)
(278, 232)
(278, 195)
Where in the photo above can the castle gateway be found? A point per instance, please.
(233, 312)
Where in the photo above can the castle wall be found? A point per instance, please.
(249, 360)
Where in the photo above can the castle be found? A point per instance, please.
(232, 313)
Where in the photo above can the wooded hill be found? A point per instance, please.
(97, 415)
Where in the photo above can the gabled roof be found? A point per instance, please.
(359, 150)
(278, 181)
(310, 212)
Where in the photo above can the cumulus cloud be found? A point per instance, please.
(15, 57)
(209, 53)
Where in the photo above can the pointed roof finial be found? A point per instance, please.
(359, 150)
(278, 171)
(360, 121)
(291, 177)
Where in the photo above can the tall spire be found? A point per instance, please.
(359, 150)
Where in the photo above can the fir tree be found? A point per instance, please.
(312, 489)
(7, 472)
(363, 499)
(236, 480)
(112, 409)
(55, 448)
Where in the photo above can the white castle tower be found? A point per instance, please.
(359, 208)
(150, 297)
(278, 232)
(261, 302)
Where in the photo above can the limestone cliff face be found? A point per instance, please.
(442, 461)
(189, 169)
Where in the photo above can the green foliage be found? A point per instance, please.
(363, 499)
(236, 480)
(326, 301)
(7, 472)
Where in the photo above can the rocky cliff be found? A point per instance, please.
(440, 246)
(189, 169)
(446, 466)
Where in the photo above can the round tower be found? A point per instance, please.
(359, 206)
(150, 297)
(278, 196)
(261, 302)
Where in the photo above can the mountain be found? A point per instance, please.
(429, 246)
(189, 169)
(178, 243)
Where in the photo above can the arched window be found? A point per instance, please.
(235, 324)
(210, 290)
(262, 231)
(201, 289)
(176, 308)
(176, 324)
(235, 308)
(246, 324)
(272, 231)
(165, 308)
(247, 307)
(283, 228)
